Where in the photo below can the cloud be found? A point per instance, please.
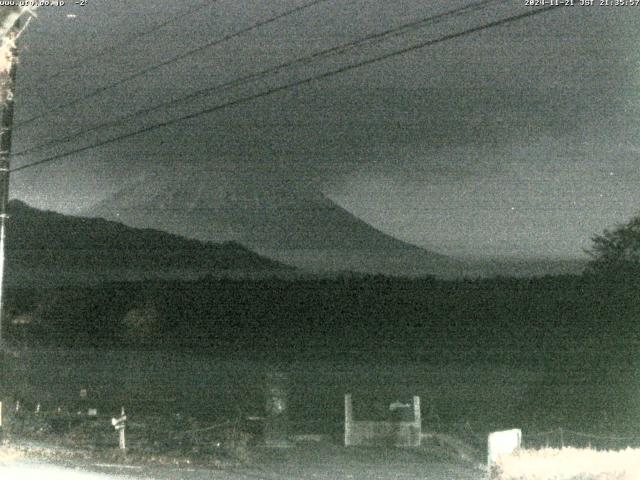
(533, 116)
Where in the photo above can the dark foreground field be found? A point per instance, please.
(202, 412)
(460, 393)
(455, 392)
(198, 416)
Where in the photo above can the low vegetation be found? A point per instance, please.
(157, 440)
(568, 464)
(347, 312)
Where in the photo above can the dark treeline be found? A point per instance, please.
(369, 313)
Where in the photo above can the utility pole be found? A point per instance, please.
(7, 90)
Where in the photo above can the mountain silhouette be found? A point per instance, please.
(47, 247)
(272, 214)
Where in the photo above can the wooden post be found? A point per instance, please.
(417, 419)
(7, 87)
(348, 419)
(276, 431)
(122, 440)
(120, 424)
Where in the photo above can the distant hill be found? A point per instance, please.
(50, 248)
(278, 216)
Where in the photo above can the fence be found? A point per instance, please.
(562, 437)
(151, 433)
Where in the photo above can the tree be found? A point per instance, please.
(142, 324)
(617, 251)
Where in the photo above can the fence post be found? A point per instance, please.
(120, 425)
(417, 419)
(348, 419)
(122, 441)
(277, 423)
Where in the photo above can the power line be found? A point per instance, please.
(124, 42)
(44, 79)
(326, 53)
(174, 59)
(288, 86)
(397, 31)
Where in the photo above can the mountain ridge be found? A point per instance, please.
(45, 244)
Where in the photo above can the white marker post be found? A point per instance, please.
(502, 443)
(120, 425)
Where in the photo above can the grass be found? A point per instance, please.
(173, 399)
(150, 440)
(318, 457)
(569, 464)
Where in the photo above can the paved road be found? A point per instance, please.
(30, 470)
(310, 462)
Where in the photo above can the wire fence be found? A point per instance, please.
(168, 418)
(174, 426)
(562, 437)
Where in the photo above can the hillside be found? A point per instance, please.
(50, 248)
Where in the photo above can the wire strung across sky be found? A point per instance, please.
(262, 74)
(403, 29)
(127, 41)
(176, 58)
(287, 86)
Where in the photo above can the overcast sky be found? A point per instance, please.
(517, 140)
